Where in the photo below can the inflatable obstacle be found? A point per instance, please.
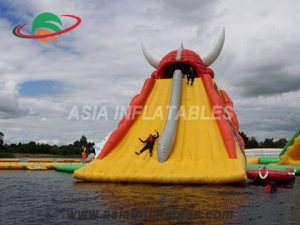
(26, 166)
(68, 160)
(199, 131)
(263, 160)
(274, 166)
(42, 160)
(9, 160)
(34, 165)
(69, 168)
(290, 155)
(252, 161)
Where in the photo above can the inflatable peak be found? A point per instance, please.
(199, 139)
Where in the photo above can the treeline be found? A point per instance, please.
(76, 147)
(32, 147)
(251, 142)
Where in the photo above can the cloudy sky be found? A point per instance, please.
(100, 64)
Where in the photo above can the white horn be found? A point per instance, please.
(214, 51)
(152, 58)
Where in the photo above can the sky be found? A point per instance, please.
(99, 66)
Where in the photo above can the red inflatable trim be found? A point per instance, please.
(216, 103)
(187, 57)
(226, 98)
(136, 103)
(229, 104)
(242, 142)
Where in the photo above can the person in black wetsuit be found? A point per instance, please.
(191, 76)
(271, 188)
(149, 143)
(92, 152)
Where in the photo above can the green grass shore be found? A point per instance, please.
(39, 156)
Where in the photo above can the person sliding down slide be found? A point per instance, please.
(149, 143)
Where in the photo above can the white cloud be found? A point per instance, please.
(9, 103)
(101, 62)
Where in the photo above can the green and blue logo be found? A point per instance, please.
(45, 26)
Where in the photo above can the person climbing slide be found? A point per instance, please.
(191, 76)
(149, 143)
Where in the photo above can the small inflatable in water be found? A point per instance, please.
(265, 175)
(69, 168)
(36, 166)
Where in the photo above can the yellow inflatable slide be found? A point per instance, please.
(204, 146)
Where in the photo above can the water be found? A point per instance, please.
(50, 197)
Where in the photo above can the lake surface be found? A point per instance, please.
(50, 197)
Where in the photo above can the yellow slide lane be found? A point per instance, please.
(199, 148)
(198, 155)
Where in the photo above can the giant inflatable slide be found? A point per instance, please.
(199, 139)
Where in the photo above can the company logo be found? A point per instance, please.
(46, 25)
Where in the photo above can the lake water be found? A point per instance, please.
(50, 197)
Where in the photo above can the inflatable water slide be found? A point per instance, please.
(290, 154)
(199, 138)
(289, 157)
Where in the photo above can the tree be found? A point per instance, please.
(268, 143)
(13, 146)
(83, 141)
(245, 138)
(1, 138)
(281, 143)
(90, 144)
(252, 143)
(77, 144)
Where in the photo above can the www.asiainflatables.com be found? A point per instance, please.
(149, 214)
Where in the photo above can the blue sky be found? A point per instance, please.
(41, 87)
(100, 63)
(8, 12)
